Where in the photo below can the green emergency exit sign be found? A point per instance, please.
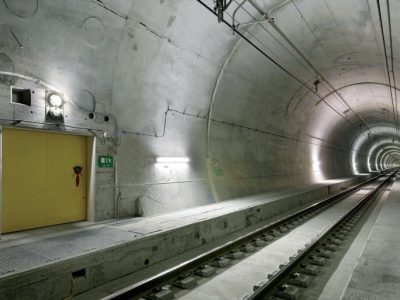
(105, 161)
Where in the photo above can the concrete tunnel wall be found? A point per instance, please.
(175, 82)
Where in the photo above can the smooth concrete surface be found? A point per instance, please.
(43, 268)
(377, 274)
(240, 279)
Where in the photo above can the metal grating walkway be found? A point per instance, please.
(23, 257)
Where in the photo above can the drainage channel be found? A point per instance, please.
(188, 274)
(305, 274)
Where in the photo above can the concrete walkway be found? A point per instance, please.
(105, 252)
(21, 256)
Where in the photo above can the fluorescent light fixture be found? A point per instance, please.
(316, 166)
(173, 159)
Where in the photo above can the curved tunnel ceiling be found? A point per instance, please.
(303, 91)
(342, 54)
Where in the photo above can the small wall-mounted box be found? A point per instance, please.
(21, 96)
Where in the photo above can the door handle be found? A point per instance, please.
(77, 171)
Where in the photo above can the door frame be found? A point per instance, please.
(90, 161)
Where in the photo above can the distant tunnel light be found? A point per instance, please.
(172, 160)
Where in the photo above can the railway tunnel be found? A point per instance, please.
(199, 149)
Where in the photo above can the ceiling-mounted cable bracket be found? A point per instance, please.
(316, 83)
(220, 7)
(264, 16)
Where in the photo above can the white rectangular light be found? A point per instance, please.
(173, 159)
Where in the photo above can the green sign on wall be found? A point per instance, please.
(217, 168)
(105, 161)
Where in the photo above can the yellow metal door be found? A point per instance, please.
(39, 184)
(65, 202)
(24, 180)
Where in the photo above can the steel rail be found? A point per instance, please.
(182, 268)
(280, 276)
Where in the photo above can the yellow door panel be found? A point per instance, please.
(24, 179)
(39, 187)
(65, 202)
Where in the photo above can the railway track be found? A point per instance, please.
(287, 283)
(293, 279)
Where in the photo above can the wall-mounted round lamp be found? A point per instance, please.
(56, 112)
(56, 100)
(54, 105)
